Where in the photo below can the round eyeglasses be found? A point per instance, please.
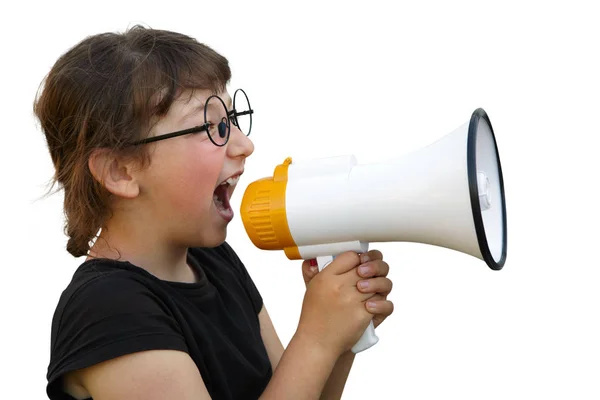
(217, 120)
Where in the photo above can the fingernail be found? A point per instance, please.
(371, 304)
(364, 258)
(363, 284)
(313, 269)
(313, 262)
(364, 270)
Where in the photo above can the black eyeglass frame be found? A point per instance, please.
(231, 117)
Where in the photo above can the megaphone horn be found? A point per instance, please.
(448, 194)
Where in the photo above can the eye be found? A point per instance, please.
(219, 132)
(222, 128)
(199, 129)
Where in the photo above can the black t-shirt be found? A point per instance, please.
(113, 308)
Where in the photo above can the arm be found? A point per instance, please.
(332, 388)
(148, 375)
(299, 373)
(376, 269)
(337, 380)
(270, 338)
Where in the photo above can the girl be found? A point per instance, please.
(148, 146)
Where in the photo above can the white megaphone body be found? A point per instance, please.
(448, 194)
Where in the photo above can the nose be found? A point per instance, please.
(239, 144)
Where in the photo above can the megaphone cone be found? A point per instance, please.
(448, 194)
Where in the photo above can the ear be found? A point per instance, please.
(114, 173)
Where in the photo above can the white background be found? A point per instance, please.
(376, 79)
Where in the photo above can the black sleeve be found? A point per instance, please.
(107, 317)
(247, 282)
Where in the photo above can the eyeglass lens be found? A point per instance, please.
(243, 112)
(215, 115)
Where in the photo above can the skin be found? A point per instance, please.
(156, 210)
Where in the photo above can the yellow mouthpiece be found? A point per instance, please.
(263, 213)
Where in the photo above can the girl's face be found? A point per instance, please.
(189, 181)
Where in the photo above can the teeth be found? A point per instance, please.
(232, 181)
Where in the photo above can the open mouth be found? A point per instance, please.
(222, 195)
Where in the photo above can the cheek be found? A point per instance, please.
(191, 184)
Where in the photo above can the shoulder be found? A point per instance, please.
(97, 274)
(102, 285)
(109, 309)
(105, 288)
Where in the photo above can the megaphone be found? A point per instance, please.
(448, 194)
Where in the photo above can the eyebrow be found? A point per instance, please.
(193, 111)
(200, 107)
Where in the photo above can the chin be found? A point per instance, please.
(214, 240)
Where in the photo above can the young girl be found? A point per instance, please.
(148, 145)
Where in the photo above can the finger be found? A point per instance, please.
(309, 269)
(375, 255)
(373, 268)
(382, 308)
(343, 263)
(371, 255)
(380, 285)
(377, 297)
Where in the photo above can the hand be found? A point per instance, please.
(375, 273)
(376, 277)
(334, 315)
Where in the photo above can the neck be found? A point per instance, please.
(143, 246)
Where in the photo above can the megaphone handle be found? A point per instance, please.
(368, 338)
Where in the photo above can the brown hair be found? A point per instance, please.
(104, 93)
